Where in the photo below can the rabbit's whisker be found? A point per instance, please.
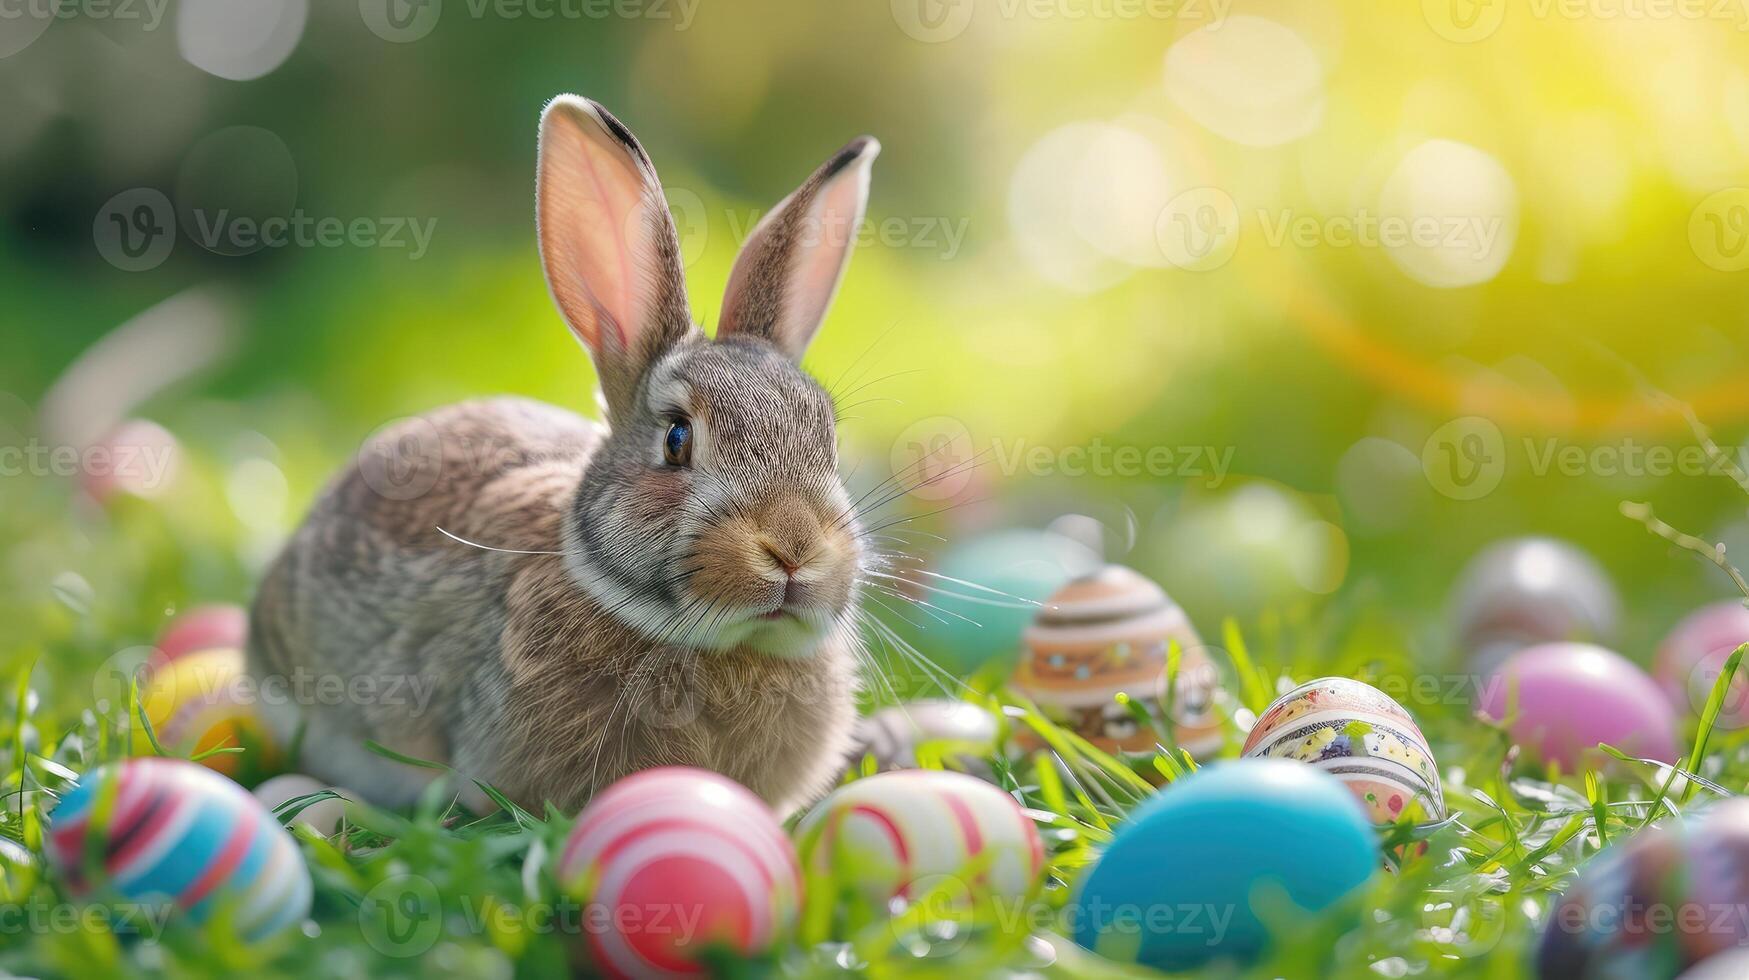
(486, 547)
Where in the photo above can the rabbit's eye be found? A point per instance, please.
(677, 445)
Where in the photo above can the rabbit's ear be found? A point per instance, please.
(789, 268)
(607, 243)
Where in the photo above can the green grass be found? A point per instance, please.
(436, 891)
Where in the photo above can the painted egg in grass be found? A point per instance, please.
(1525, 591)
(1650, 906)
(323, 816)
(219, 626)
(1360, 735)
(680, 846)
(204, 700)
(1560, 700)
(897, 833)
(1106, 634)
(1691, 658)
(168, 831)
(892, 736)
(1254, 841)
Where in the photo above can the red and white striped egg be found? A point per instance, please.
(887, 833)
(172, 832)
(685, 859)
(1360, 735)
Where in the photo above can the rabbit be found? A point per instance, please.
(678, 586)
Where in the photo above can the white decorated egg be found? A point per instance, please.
(1360, 735)
(886, 835)
(892, 735)
(1107, 634)
(323, 817)
(171, 832)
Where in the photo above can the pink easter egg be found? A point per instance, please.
(1561, 699)
(204, 628)
(684, 859)
(1691, 658)
(899, 832)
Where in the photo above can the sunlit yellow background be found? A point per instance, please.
(1095, 223)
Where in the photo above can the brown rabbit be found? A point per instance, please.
(678, 590)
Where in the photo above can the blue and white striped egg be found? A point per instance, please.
(169, 832)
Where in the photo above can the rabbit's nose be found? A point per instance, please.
(780, 557)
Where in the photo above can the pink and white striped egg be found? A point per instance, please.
(173, 833)
(896, 832)
(685, 860)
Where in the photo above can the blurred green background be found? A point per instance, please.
(1379, 260)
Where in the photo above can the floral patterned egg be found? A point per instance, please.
(1107, 633)
(1358, 734)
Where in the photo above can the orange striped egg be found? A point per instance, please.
(1106, 634)
(685, 860)
(205, 700)
(171, 832)
(1358, 734)
(883, 835)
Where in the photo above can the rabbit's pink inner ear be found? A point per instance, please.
(786, 275)
(598, 240)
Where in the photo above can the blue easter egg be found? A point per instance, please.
(1022, 567)
(166, 831)
(1187, 876)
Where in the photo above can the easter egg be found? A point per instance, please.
(897, 832)
(138, 458)
(204, 700)
(1559, 700)
(994, 581)
(323, 817)
(1691, 658)
(892, 735)
(204, 628)
(1524, 591)
(1107, 633)
(677, 845)
(1360, 735)
(1234, 836)
(168, 831)
(1667, 898)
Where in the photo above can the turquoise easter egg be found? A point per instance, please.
(988, 590)
(1194, 873)
(168, 832)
